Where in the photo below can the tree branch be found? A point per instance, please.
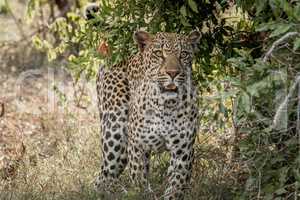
(16, 20)
(282, 108)
(278, 42)
(2, 109)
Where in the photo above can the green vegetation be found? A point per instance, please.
(247, 71)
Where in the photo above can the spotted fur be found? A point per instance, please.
(147, 104)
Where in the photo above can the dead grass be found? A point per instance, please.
(59, 162)
(55, 153)
(62, 157)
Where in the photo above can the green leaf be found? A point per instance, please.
(31, 8)
(297, 12)
(244, 102)
(269, 196)
(193, 5)
(184, 22)
(260, 5)
(183, 11)
(297, 174)
(283, 28)
(283, 172)
(250, 182)
(223, 109)
(296, 44)
(37, 42)
(269, 188)
(287, 8)
(266, 26)
(280, 191)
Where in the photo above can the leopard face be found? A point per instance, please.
(167, 61)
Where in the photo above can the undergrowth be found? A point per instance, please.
(62, 161)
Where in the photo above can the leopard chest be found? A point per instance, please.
(152, 122)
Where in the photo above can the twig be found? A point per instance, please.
(2, 110)
(282, 107)
(298, 110)
(278, 42)
(294, 52)
(17, 21)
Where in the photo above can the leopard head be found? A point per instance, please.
(167, 60)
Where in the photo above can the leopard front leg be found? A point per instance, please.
(114, 152)
(114, 155)
(113, 97)
(180, 168)
(139, 164)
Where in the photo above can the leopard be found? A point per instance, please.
(148, 105)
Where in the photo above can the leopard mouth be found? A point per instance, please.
(170, 88)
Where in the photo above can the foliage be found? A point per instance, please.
(78, 40)
(3, 7)
(117, 21)
(268, 125)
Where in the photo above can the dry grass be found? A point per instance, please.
(62, 151)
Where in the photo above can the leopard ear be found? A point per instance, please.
(194, 38)
(142, 38)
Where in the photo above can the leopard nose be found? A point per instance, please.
(172, 72)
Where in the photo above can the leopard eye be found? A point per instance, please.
(184, 54)
(158, 53)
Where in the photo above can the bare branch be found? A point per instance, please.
(298, 111)
(17, 21)
(282, 108)
(278, 42)
(2, 111)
